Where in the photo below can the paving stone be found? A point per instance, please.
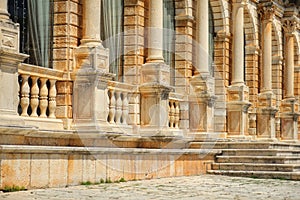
(208, 187)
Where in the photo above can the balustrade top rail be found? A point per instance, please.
(41, 72)
(124, 87)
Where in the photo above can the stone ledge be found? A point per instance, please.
(23, 149)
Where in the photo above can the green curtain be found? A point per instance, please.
(169, 36)
(211, 42)
(111, 34)
(40, 32)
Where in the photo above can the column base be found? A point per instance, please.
(289, 119)
(202, 102)
(237, 111)
(156, 73)
(266, 116)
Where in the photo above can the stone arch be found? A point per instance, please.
(277, 59)
(251, 52)
(251, 61)
(277, 68)
(297, 49)
(221, 15)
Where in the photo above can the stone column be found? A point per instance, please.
(92, 74)
(202, 96)
(91, 17)
(10, 58)
(267, 101)
(238, 92)
(155, 86)
(155, 37)
(3, 10)
(289, 106)
(203, 36)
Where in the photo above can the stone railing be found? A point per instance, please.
(37, 91)
(174, 110)
(118, 95)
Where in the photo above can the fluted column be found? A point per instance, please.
(155, 37)
(266, 128)
(238, 42)
(91, 17)
(267, 13)
(289, 106)
(3, 10)
(289, 27)
(203, 36)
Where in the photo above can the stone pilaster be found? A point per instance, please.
(183, 57)
(155, 86)
(238, 92)
(90, 107)
(267, 101)
(10, 58)
(202, 96)
(289, 107)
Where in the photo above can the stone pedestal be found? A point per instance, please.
(266, 116)
(289, 113)
(90, 98)
(10, 58)
(237, 111)
(202, 100)
(155, 92)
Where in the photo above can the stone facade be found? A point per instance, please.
(251, 93)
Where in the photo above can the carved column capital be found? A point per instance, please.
(290, 25)
(266, 11)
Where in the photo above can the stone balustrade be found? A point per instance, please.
(174, 111)
(37, 91)
(119, 96)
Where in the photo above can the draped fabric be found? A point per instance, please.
(169, 36)
(211, 42)
(111, 34)
(40, 31)
(35, 19)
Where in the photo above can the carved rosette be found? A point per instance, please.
(266, 11)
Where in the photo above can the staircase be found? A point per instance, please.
(255, 159)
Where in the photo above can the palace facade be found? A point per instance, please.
(109, 89)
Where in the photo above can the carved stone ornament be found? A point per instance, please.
(290, 25)
(267, 11)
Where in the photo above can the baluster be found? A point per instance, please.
(172, 115)
(19, 95)
(112, 106)
(25, 95)
(52, 99)
(34, 97)
(169, 113)
(177, 114)
(118, 107)
(43, 97)
(125, 108)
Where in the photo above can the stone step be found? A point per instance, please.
(261, 152)
(242, 145)
(258, 159)
(256, 167)
(258, 174)
(229, 145)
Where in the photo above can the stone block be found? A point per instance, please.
(39, 172)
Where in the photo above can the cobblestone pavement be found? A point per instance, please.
(196, 187)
